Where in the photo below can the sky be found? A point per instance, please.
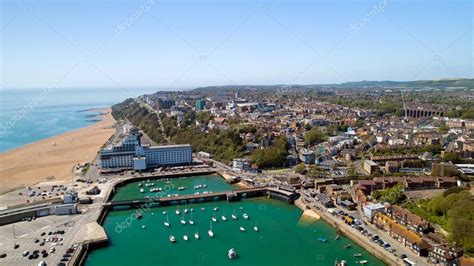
(186, 44)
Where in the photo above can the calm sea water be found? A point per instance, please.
(29, 115)
(282, 239)
(213, 183)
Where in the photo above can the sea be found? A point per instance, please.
(282, 236)
(29, 115)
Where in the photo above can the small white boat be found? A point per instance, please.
(196, 235)
(223, 218)
(164, 212)
(177, 212)
(181, 188)
(232, 254)
(203, 209)
(172, 239)
(363, 262)
(185, 237)
(210, 233)
(234, 216)
(246, 216)
(242, 229)
(183, 221)
(167, 222)
(186, 210)
(142, 190)
(216, 209)
(143, 226)
(214, 219)
(191, 222)
(255, 228)
(357, 254)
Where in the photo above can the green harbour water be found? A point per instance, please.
(214, 183)
(283, 237)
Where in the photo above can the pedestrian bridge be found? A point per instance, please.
(232, 195)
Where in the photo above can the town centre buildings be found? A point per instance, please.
(131, 154)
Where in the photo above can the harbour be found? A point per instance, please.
(256, 227)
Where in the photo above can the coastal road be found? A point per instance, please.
(400, 249)
(139, 101)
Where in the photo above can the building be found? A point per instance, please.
(164, 104)
(370, 166)
(371, 209)
(409, 239)
(200, 105)
(241, 165)
(440, 252)
(325, 201)
(70, 197)
(412, 221)
(307, 156)
(65, 209)
(130, 154)
(391, 166)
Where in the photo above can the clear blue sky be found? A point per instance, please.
(183, 44)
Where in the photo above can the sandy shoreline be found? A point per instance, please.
(55, 156)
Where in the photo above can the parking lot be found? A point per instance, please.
(50, 236)
(34, 194)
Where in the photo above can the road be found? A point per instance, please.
(159, 118)
(372, 230)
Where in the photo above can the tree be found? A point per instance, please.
(451, 157)
(394, 195)
(300, 168)
(443, 128)
(315, 136)
(273, 156)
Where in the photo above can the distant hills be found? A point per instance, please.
(418, 84)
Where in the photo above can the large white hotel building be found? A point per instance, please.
(130, 154)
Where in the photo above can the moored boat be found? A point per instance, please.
(246, 216)
(196, 235)
(210, 232)
(185, 237)
(232, 254)
(242, 229)
(172, 239)
(167, 222)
